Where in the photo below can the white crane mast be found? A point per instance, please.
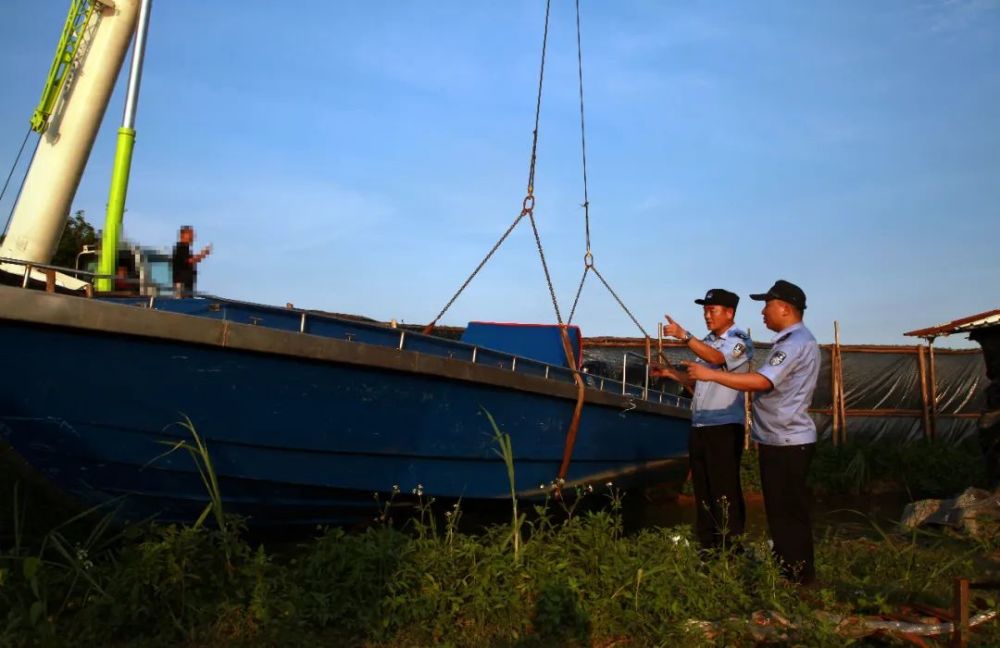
(54, 175)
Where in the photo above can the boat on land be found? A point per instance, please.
(305, 415)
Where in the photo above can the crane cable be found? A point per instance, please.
(588, 266)
(9, 175)
(588, 257)
(527, 205)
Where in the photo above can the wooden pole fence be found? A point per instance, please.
(839, 405)
(834, 393)
(932, 391)
(925, 410)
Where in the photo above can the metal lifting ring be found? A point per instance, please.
(588, 260)
(529, 203)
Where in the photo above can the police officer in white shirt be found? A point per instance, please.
(716, 442)
(784, 387)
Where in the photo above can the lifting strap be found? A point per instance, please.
(574, 424)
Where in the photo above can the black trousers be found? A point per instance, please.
(715, 453)
(783, 471)
(989, 441)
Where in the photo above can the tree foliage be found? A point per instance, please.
(78, 233)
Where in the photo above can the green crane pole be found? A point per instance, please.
(107, 264)
(77, 20)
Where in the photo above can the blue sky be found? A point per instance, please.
(362, 157)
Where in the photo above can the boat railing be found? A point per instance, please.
(48, 271)
(406, 339)
(331, 326)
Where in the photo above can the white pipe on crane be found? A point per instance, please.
(135, 71)
(52, 180)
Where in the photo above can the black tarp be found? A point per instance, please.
(875, 378)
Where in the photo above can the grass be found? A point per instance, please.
(921, 469)
(577, 579)
(506, 452)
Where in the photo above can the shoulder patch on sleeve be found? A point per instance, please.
(777, 358)
(739, 349)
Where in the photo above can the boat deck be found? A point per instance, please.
(382, 335)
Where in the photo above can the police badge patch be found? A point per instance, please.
(777, 358)
(738, 350)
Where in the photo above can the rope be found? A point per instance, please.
(529, 200)
(527, 206)
(9, 175)
(545, 267)
(620, 302)
(583, 136)
(579, 290)
(531, 171)
(496, 246)
(538, 104)
(588, 257)
(576, 301)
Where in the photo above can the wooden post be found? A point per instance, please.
(960, 614)
(50, 280)
(659, 346)
(649, 358)
(925, 411)
(834, 392)
(834, 395)
(841, 400)
(932, 390)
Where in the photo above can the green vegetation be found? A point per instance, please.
(554, 577)
(922, 469)
(78, 233)
(580, 581)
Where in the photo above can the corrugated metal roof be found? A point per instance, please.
(982, 320)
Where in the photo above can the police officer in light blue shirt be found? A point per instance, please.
(784, 387)
(716, 441)
(780, 416)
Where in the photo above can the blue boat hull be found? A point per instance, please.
(294, 439)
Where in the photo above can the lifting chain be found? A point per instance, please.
(545, 266)
(527, 206)
(583, 141)
(588, 257)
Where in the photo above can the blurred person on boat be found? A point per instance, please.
(185, 264)
(122, 283)
(715, 447)
(125, 280)
(783, 388)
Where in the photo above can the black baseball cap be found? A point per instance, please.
(719, 297)
(786, 291)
